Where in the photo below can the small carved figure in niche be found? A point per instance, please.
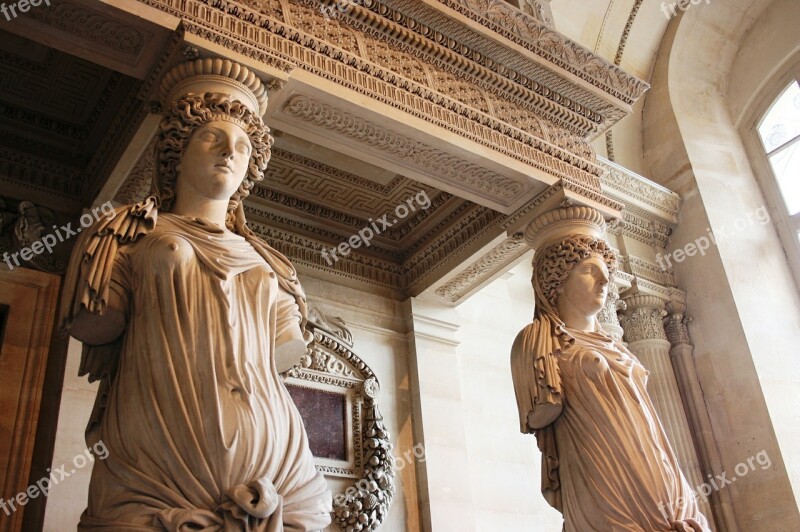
(606, 461)
(187, 318)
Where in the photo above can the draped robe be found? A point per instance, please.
(606, 462)
(201, 432)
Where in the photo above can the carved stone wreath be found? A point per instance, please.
(331, 366)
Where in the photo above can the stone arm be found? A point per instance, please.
(103, 325)
(99, 329)
(290, 343)
(536, 382)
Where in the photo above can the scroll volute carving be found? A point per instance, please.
(24, 228)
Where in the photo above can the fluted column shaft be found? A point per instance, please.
(647, 339)
(682, 353)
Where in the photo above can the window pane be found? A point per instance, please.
(786, 165)
(782, 122)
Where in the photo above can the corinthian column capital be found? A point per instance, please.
(676, 324)
(643, 319)
(608, 317)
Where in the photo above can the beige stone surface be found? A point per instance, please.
(67, 500)
(505, 465)
(741, 294)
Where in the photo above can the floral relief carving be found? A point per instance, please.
(495, 185)
(643, 320)
(331, 363)
(536, 36)
(677, 322)
(96, 26)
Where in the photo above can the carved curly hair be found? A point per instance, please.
(553, 264)
(185, 116)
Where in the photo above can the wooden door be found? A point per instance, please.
(27, 313)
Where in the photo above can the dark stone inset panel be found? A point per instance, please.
(324, 415)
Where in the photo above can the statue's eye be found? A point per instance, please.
(243, 147)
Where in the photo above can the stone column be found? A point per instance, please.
(443, 483)
(647, 339)
(682, 353)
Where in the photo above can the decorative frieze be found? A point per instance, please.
(633, 189)
(649, 271)
(94, 26)
(534, 35)
(394, 52)
(501, 188)
(642, 226)
(436, 162)
(489, 265)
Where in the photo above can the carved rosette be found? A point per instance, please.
(676, 324)
(643, 318)
(608, 317)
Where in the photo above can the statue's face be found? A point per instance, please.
(215, 159)
(585, 289)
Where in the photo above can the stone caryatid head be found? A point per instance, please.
(563, 239)
(200, 92)
(557, 262)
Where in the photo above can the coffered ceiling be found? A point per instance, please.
(377, 109)
(57, 115)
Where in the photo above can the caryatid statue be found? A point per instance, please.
(187, 318)
(606, 461)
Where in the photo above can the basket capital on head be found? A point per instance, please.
(223, 76)
(562, 222)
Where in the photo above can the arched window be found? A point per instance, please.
(779, 131)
